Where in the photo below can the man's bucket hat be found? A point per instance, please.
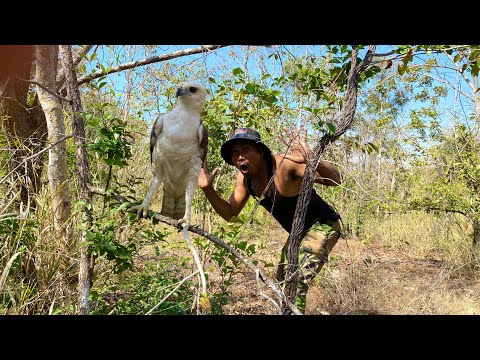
(242, 134)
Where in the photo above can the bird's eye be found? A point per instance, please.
(193, 89)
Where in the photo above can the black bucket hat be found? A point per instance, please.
(242, 134)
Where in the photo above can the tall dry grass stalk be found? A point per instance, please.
(33, 273)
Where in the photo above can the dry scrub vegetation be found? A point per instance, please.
(411, 263)
(398, 268)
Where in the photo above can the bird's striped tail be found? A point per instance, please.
(173, 206)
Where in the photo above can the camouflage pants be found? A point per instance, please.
(312, 255)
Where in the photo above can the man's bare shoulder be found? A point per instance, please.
(286, 166)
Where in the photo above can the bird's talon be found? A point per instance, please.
(180, 224)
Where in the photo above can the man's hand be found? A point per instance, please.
(297, 149)
(205, 179)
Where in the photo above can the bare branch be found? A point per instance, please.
(78, 56)
(44, 88)
(196, 259)
(429, 208)
(150, 60)
(459, 70)
(384, 54)
(35, 155)
(257, 278)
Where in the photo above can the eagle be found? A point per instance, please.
(178, 147)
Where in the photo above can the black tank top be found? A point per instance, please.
(282, 207)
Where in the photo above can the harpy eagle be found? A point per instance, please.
(178, 147)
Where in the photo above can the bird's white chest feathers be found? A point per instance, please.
(177, 150)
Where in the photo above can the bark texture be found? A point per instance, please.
(46, 56)
(346, 118)
(86, 260)
(23, 124)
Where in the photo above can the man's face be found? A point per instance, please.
(246, 157)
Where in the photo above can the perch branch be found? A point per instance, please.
(195, 229)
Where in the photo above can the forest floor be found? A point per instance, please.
(372, 279)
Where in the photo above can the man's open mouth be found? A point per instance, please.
(244, 168)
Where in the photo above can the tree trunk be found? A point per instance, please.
(346, 118)
(46, 56)
(23, 124)
(86, 261)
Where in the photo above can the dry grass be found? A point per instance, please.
(416, 263)
(372, 277)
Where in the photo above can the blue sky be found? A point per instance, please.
(211, 64)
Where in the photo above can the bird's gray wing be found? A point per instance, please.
(154, 135)
(203, 140)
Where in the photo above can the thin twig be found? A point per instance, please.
(257, 277)
(196, 258)
(44, 88)
(5, 271)
(149, 312)
(35, 155)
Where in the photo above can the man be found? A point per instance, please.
(256, 166)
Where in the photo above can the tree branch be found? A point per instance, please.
(44, 88)
(150, 60)
(35, 155)
(197, 230)
(428, 208)
(77, 58)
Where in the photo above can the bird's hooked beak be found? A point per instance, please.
(180, 92)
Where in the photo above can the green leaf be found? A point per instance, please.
(475, 54)
(235, 219)
(373, 146)
(226, 119)
(237, 71)
(251, 88)
(242, 245)
(331, 128)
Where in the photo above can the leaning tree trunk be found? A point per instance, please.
(46, 56)
(86, 259)
(23, 124)
(346, 118)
